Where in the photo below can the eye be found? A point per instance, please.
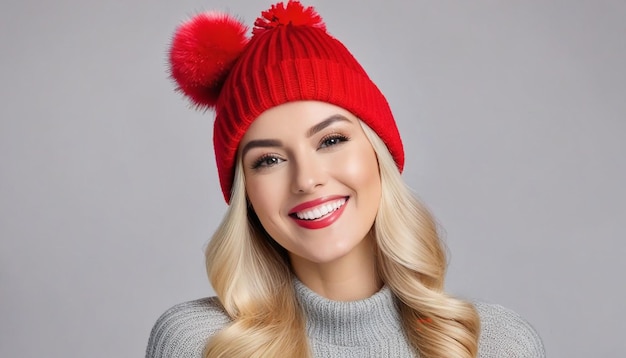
(332, 140)
(266, 161)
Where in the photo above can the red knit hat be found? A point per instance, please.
(289, 57)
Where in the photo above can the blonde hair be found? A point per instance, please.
(252, 278)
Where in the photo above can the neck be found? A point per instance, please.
(348, 278)
(366, 322)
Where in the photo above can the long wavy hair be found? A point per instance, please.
(252, 277)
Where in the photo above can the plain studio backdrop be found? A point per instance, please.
(513, 115)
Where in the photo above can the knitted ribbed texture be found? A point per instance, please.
(290, 57)
(364, 328)
(291, 63)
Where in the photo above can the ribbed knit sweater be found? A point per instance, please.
(366, 328)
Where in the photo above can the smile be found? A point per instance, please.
(321, 210)
(319, 213)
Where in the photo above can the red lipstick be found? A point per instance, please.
(325, 220)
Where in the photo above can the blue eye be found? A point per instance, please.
(333, 140)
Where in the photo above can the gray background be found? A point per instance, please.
(512, 112)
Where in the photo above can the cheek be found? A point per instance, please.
(362, 170)
(258, 190)
(265, 198)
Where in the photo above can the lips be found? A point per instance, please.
(319, 213)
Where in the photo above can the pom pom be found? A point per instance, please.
(203, 51)
(293, 14)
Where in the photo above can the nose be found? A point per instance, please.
(308, 174)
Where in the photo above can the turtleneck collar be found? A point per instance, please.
(353, 323)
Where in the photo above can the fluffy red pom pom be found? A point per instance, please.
(202, 53)
(294, 13)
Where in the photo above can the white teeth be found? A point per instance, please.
(321, 210)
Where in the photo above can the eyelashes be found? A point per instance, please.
(266, 161)
(269, 160)
(332, 140)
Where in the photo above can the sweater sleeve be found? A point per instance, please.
(183, 330)
(505, 334)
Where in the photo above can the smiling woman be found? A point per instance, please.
(317, 192)
(324, 250)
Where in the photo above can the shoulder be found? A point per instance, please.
(183, 330)
(504, 333)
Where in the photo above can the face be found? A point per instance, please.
(312, 179)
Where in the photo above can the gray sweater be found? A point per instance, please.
(366, 328)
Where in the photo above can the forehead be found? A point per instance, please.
(293, 118)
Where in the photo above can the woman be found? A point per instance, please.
(324, 251)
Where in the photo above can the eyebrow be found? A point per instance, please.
(265, 143)
(260, 143)
(325, 123)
